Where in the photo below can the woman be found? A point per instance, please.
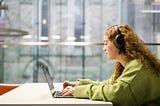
(136, 77)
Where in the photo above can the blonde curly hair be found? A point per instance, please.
(134, 49)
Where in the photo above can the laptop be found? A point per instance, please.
(55, 94)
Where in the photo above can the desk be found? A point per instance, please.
(38, 94)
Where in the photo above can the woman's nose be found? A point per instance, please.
(104, 48)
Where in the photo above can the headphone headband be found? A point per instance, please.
(117, 30)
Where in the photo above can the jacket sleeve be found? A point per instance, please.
(88, 81)
(115, 91)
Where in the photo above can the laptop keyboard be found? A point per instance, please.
(58, 94)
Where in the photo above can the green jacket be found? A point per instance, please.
(137, 86)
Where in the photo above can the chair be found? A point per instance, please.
(5, 88)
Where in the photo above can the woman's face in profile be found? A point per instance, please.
(110, 50)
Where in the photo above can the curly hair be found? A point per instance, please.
(134, 49)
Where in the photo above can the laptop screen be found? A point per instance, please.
(48, 77)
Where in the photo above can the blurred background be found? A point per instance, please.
(67, 36)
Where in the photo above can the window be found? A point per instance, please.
(44, 20)
(79, 19)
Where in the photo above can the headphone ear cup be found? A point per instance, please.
(119, 42)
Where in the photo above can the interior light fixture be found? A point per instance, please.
(84, 37)
(4, 7)
(150, 11)
(56, 37)
(44, 38)
(10, 32)
(27, 37)
(44, 21)
(71, 38)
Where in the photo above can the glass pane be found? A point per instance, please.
(50, 31)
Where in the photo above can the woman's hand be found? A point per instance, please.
(67, 91)
(72, 84)
(69, 87)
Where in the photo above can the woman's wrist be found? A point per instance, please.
(76, 83)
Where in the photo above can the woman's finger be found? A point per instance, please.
(64, 91)
(68, 92)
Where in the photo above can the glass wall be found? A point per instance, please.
(67, 36)
(64, 62)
